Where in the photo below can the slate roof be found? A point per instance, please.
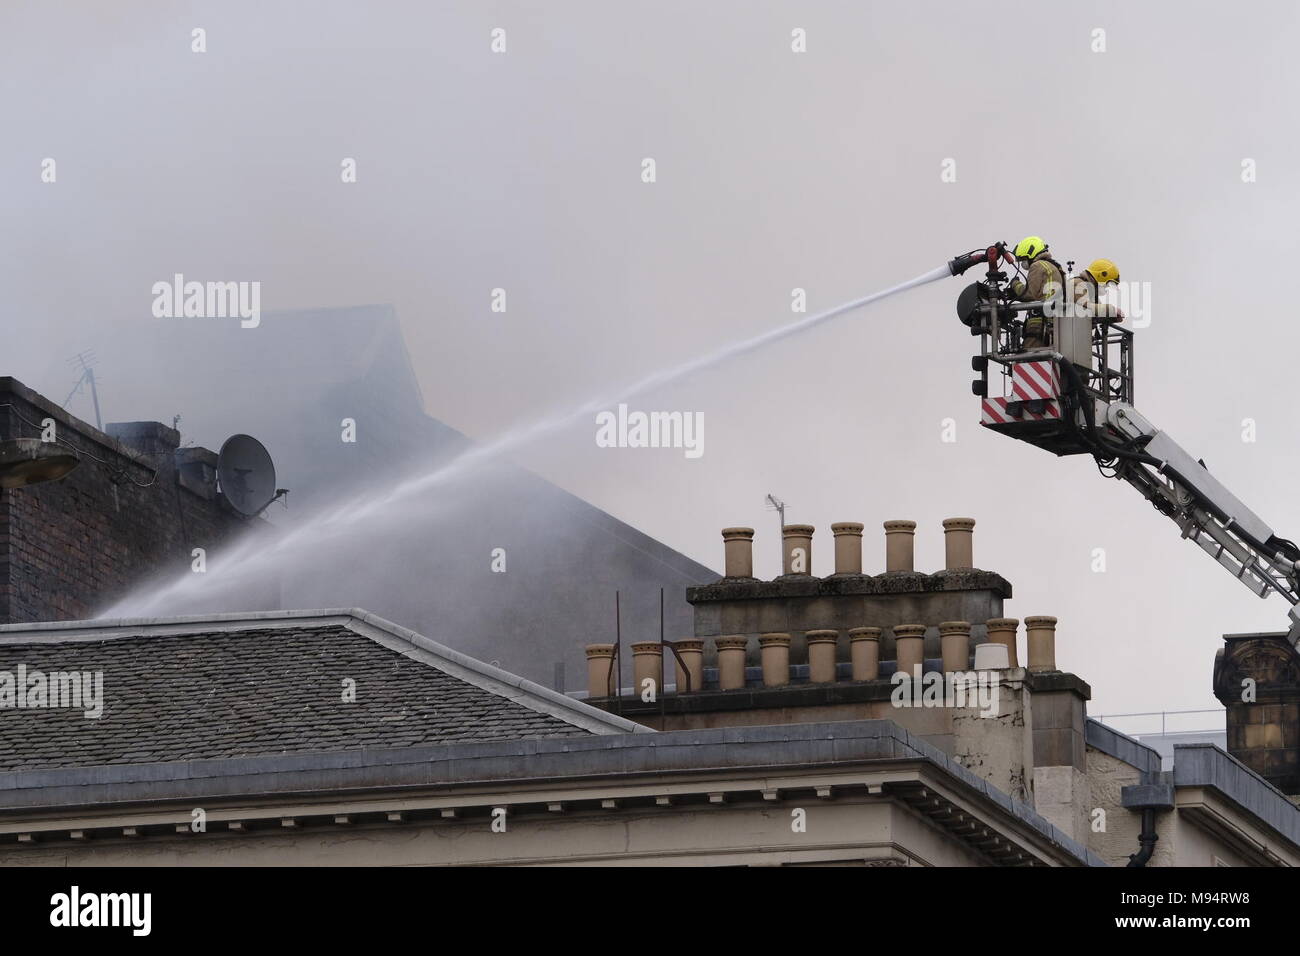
(225, 686)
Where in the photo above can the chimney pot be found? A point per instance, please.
(821, 655)
(909, 643)
(648, 664)
(864, 648)
(954, 637)
(692, 652)
(1002, 630)
(600, 661)
(731, 661)
(991, 656)
(775, 652)
(848, 547)
(899, 545)
(958, 546)
(1040, 635)
(797, 541)
(738, 552)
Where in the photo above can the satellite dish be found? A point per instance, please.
(246, 473)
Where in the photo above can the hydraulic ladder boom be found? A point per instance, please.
(1181, 488)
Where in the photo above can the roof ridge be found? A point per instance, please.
(127, 627)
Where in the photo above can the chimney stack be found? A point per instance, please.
(775, 652)
(797, 541)
(738, 552)
(954, 636)
(958, 545)
(600, 660)
(899, 545)
(1041, 639)
(848, 547)
(864, 648)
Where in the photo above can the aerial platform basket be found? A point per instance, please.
(1034, 408)
(1037, 403)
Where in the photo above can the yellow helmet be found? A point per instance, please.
(1029, 247)
(1103, 271)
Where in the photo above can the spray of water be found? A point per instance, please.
(249, 561)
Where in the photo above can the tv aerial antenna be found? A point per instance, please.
(776, 504)
(85, 361)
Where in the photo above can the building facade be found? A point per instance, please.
(334, 737)
(932, 654)
(337, 738)
(135, 507)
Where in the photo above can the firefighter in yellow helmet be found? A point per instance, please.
(1044, 279)
(1085, 290)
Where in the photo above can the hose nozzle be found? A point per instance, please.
(990, 255)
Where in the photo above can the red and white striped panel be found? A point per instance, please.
(1032, 380)
(993, 411)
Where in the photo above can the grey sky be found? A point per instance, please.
(775, 170)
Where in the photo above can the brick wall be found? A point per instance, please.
(69, 548)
